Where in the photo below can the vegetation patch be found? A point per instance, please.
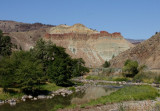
(50, 87)
(147, 77)
(126, 94)
(11, 93)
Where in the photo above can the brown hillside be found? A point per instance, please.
(12, 26)
(147, 52)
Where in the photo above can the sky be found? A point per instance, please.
(135, 19)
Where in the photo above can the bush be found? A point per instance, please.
(106, 64)
(130, 68)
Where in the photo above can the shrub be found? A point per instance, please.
(130, 68)
(106, 64)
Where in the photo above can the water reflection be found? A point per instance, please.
(48, 104)
(92, 93)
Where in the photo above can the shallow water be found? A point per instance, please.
(48, 104)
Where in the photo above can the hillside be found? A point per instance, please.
(12, 26)
(93, 46)
(147, 52)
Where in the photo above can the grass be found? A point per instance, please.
(147, 77)
(72, 89)
(12, 93)
(50, 87)
(126, 94)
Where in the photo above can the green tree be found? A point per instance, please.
(5, 45)
(6, 73)
(130, 68)
(78, 68)
(20, 70)
(106, 64)
(28, 72)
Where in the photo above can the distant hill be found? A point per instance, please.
(12, 26)
(134, 41)
(147, 52)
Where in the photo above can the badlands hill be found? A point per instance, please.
(147, 52)
(80, 42)
(93, 46)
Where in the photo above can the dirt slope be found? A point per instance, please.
(147, 52)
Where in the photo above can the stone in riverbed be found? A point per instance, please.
(34, 98)
(30, 97)
(41, 97)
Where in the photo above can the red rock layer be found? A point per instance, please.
(83, 36)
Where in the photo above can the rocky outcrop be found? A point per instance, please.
(147, 52)
(93, 46)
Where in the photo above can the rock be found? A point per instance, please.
(52, 95)
(1, 102)
(24, 97)
(41, 97)
(34, 98)
(12, 103)
(49, 97)
(30, 97)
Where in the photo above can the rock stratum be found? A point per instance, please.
(93, 46)
(147, 52)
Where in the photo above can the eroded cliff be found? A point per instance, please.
(93, 46)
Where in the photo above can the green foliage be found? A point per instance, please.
(78, 68)
(72, 88)
(130, 68)
(22, 70)
(106, 64)
(125, 94)
(147, 77)
(50, 87)
(59, 67)
(11, 93)
(5, 45)
(44, 63)
(6, 73)
(58, 106)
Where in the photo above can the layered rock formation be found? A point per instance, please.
(147, 52)
(93, 46)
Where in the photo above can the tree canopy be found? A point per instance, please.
(5, 45)
(46, 62)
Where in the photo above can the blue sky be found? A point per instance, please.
(136, 19)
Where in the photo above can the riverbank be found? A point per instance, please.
(145, 105)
